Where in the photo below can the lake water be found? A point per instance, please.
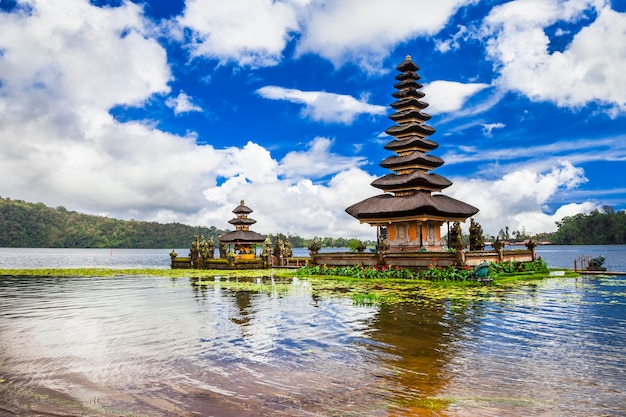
(557, 256)
(163, 347)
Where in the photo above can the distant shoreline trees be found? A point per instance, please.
(35, 225)
(606, 227)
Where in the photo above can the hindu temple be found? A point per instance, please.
(237, 249)
(409, 214)
(242, 241)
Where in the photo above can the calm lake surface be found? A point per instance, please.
(163, 347)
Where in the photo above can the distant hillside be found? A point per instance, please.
(596, 228)
(34, 225)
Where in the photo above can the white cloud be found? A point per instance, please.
(489, 127)
(323, 106)
(317, 161)
(453, 43)
(250, 32)
(519, 198)
(364, 31)
(182, 104)
(588, 70)
(256, 32)
(449, 96)
(70, 52)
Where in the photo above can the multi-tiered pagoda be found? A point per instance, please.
(409, 215)
(242, 241)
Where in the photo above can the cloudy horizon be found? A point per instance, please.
(174, 111)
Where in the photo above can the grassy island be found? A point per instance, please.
(365, 285)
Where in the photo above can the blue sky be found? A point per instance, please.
(177, 110)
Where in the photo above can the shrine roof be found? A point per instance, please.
(414, 158)
(416, 178)
(411, 142)
(413, 205)
(242, 236)
(241, 220)
(412, 127)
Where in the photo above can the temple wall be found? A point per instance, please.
(346, 259)
(419, 260)
(475, 257)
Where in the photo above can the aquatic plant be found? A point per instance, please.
(434, 272)
(359, 271)
(511, 267)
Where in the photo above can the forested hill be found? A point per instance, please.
(34, 225)
(596, 228)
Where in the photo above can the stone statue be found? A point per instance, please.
(456, 237)
(210, 248)
(203, 247)
(315, 247)
(288, 250)
(222, 249)
(530, 245)
(194, 252)
(279, 247)
(476, 236)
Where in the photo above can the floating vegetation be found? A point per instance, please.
(169, 273)
(365, 286)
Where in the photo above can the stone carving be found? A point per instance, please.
(456, 237)
(194, 252)
(476, 236)
(210, 249)
(315, 247)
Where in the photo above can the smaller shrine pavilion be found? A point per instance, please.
(242, 241)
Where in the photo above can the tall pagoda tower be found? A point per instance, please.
(409, 215)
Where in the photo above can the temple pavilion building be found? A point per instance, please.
(410, 213)
(242, 241)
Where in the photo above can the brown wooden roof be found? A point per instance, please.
(416, 178)
(418, 142)
(408, 65)
(415, 206)
(242, 236)
(409, 114)
(410, 101)
(241, 209)
(408, 76)
(409, 92)
(242, 221)
(413, 159)
(417, 128)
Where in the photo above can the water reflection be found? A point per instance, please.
(162, 346)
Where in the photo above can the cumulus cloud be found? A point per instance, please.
(322, 106)
(449, 96)
(364, 31)
(249, 32)
(255, 33)
(317, 161)
(589, 69)
(519, 199)
(182, 104)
